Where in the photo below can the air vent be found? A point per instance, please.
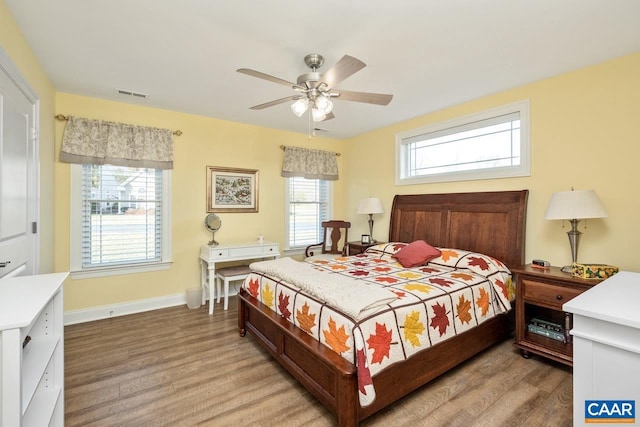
(131, 93)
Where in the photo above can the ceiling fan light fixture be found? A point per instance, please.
(300, 106)
(317, 114)
(323, 103)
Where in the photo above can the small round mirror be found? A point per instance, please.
(212, 222)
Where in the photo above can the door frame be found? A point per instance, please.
(13, 73)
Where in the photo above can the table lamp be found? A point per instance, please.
(371, 206)
(574, 206)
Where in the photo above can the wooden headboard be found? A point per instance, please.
(491, 223)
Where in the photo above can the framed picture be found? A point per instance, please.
(232, 189)
(366, 239)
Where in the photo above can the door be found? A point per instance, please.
(18, 174)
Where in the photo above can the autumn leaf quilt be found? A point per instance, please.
(435, 301)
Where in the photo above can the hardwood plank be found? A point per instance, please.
(181, 367)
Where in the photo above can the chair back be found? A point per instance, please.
(334, 237)
(334, 230)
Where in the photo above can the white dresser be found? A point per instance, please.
(606, 344)
(210, 255)
(32, 351)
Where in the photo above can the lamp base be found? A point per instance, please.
(371, 228)
(567, 269)
(574, 240)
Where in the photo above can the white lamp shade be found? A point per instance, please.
(322, 103)
(578, 204)
(317, 115)
(300, 106)
(370, 205)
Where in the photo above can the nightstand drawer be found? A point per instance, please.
(551, 295)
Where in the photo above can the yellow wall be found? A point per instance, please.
(16, 47)
(585, 133)
(205, 142)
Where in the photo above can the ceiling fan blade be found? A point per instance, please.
(369, 98)
(264, 76)
(328, 117)
(347, 66)
(274, 102)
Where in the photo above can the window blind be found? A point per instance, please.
(121, 215)
(308, 207)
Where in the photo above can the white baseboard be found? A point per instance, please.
(107, 311)
(132, 307)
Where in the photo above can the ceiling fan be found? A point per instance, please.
(315, 90)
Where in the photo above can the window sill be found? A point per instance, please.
(293, 252)
(120, 270)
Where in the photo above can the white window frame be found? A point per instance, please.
(75, 224)
(300, 249)
(524, 169)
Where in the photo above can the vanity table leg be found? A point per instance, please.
(203, 280)
(212, 275)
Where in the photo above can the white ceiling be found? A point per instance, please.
(429, 54)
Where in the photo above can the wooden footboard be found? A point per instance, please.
(333, 380)
(329, 377)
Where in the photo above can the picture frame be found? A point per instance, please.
(232, 189)
(365, 239)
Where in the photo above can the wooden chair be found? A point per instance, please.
(333, 235)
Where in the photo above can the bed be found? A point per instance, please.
(491, 223)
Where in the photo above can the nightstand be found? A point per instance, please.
(357, 247)
(540, 294)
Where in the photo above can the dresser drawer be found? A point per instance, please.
(270, 250)
(549, 294)
(213, 253)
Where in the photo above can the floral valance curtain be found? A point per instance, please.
(100, 142)
(310, 164)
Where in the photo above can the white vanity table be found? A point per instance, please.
(210, 255)
(606, 343)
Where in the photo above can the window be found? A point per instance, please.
(308, 203)
(490, 144)
(120, 219)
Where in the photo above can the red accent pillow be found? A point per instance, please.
(416, 253)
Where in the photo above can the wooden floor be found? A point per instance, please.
(181, 367)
